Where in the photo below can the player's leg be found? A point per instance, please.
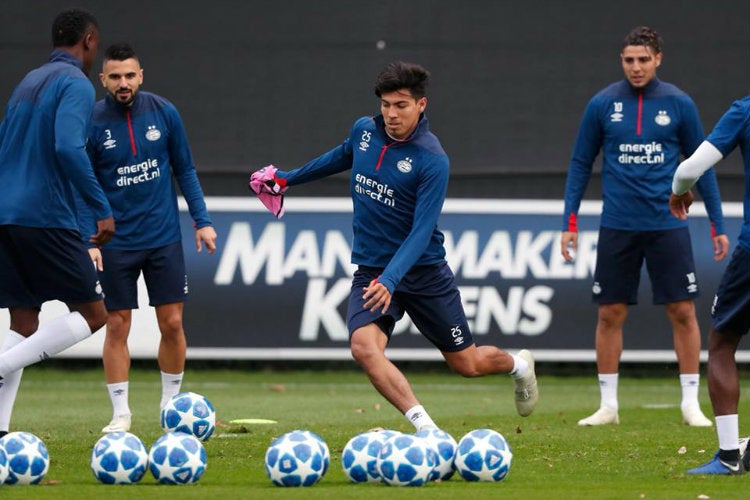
(369, 332)
(724, 390)
(166, 279)
(172, 349)
(616, 278)
(22, 320)
(669, 260)
(116, 361)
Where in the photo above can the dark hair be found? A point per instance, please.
(70, 26)
(403, 75)
(119, 52)
(645, 36)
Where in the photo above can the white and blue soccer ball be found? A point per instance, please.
(406, 460)
(297, 458)
(190, 413)
(27, 456)
(483, 455)
(119, 458)
(359, 458)
(177, 458)
(3, 465)
(445, 448)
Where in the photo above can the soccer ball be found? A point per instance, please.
(406, 460)
(360, 456)
(483, 455)
(177, 458)
(28, 459)
(297, 458)
(3, 465)
(119, 458)
(445, 449)
(191, 413)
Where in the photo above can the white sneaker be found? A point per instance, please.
(603, 416)
(526, 391)
(120, 423)
(694, 417)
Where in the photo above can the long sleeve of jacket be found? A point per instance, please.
(338, 159)
(587, 146)
(71, 124)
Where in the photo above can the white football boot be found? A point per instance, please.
(526, 390)
(694, 417)
(119, 423)
(605, 415)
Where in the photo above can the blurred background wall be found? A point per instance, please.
(282, 81)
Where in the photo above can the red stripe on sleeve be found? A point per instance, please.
(573, 223)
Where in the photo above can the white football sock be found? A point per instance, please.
(170, 386)
(728, 429)
(608, 390)
(690, 383)
(520, 366)
(419, 417)
(51, 338)
(118, 394)
(9, 384)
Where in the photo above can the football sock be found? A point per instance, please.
(170, 386)
(419, 417)
(608, 389)
(9, 384)
(118, 394)
(690, 383)
(50, 339)
(520, 366)
(727, 427)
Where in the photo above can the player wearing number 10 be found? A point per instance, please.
(642, 125)
(399, 177)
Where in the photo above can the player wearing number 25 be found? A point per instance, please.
(398, 181)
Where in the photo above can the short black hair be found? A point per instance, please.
(70, 26)
(403, 75)
(644, 36)
(119, 52)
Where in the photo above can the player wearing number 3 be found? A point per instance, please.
(399, 177)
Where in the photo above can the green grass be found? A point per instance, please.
(553, 457)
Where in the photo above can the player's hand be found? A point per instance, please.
(721, 246)
(105, 228)
(205, 235)
(96, 258)
(568, 241)
(377, 296)
(679, 204)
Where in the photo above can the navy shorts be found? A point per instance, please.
(669, 261)
(42, 264)
(731, 307)
(163, 271)
(428, 294)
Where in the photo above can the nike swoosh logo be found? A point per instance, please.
(732, 467)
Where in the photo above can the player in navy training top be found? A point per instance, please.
(642, 125)
(398, 180)
(730, 313)
(138, 146)
(42, 161)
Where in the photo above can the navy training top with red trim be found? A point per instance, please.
(641, 133)
(732, 130)
(42, 148)
(135, 151)
(397, 188)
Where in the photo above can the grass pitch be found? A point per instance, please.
(644, 457)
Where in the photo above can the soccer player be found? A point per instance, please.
(138, 146)
(642, 125)
(42, 160)
(730, 313)
(399, 177)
